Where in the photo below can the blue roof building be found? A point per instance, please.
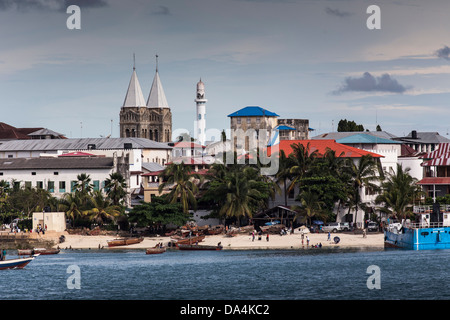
(362, 138)
(253, 111)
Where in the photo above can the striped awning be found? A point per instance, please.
(438, 157)
(443, 150)
(434, 180)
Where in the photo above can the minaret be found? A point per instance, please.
(200, 121)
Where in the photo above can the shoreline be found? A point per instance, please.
(239, 242)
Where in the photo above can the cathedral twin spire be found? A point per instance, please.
(135, 98)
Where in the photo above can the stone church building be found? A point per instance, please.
(151, 119)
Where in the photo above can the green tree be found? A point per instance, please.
(349, 126)
(71, 204)
(158, 212)
(311, 207)
(399, 190)
(182, 183)
(362, 174)
(115, 187)
(101, 209)
(83, 187)
(302, 160)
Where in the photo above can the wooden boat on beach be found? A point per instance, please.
(198, 247)
(19, 263)
(124, 241)
(190, 240)
(41, 251)
(155, 250)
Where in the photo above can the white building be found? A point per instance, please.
(58, 175)
(137, 150)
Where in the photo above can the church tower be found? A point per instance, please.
(151, 120)
(200, 120)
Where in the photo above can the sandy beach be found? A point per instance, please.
(240, 242)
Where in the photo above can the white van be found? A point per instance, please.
(336, 226)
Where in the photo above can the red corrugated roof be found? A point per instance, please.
(434, 180)
(322, 146)
(78, 154)
(187, 144)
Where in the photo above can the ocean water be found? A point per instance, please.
(316, 274)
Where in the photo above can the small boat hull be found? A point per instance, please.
(191, 240)
(124, 242)
(198, 247)
(155, 250)
(41, 251)
(16, 263)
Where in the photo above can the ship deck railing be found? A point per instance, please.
(429, 209)
(419, 225)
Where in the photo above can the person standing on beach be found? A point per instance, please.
(307, 241)
(329, 236)
(267, 237)
(253, 236)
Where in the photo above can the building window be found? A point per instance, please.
(199, 117)
(258, 120)
(1, 173)
(96, 184)
(33, 173)
(51, 186)
(238, 120)
(73, 186)
(248, 120)
(27, 184)
(10, 156)
(39, 184)
(17, 185)
(55, 173)
(62, 186)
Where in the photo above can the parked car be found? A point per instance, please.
(336, 226)
(372, 226)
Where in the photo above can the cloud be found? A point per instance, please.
(48, 5)
(369, 83)
(443, 53)
(162, 11)
(338, 13)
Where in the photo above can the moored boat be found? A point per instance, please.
(190, 240)
(430, 231)
(155, 250)
(198, 247)
(42, 251)
(124, 241)
(19, 263)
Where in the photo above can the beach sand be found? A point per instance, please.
(240, 242)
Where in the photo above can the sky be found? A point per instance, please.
(315, 60)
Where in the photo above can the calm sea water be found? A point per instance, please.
(230, 275)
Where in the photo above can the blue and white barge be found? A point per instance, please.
(430, 230)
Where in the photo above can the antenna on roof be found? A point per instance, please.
(156, 63)
(134, 61)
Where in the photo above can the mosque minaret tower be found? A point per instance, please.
(200, 121)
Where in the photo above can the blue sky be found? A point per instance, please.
(313, 60)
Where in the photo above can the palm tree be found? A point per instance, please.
(398, 192)
(284, 173)
(101, 208)
(362, 175)
(115, 187)
(83, 187)
(72, 206)
(302, 161)
(183, 187)
(311, 207)
(241, 195)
